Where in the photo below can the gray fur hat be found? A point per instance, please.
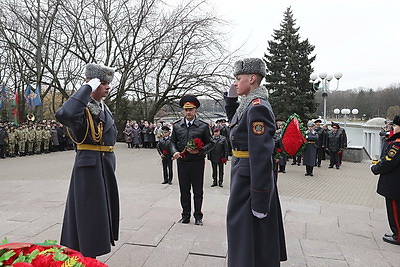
(310, 124)
(250, 66)
(104, 73)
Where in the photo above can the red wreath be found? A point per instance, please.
(293, 140)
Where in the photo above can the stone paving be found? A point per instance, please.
(334, 218)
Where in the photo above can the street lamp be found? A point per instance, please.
(323, 84)
(354, 111)
(336, 111)
(345, 112)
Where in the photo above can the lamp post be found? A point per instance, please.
(323, 84)
(345, 112)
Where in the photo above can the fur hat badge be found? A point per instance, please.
(104, 73)
(250, 66)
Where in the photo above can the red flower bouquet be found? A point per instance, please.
(46, 254)
(223, 160)
(194, 144)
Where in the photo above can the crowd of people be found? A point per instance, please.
(321, 140)
(29, 138)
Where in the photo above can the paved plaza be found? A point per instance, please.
(332, 219)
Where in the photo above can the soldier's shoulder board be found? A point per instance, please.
(175, 122)
(203, 121)
(256, 101)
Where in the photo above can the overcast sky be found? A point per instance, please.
(361, 39)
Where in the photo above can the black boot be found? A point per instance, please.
(220, 183)
(214, 183)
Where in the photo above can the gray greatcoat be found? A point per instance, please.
(253, 241)
(91, 219)
(310, 152)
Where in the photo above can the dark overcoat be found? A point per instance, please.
(253, 241)
(220, 149)
(389, 168)
(164, 148)
(136, 136)
(91, 218)
(334, 142)
(310, 152)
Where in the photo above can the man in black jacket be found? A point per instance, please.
(388, 167)
(218, 157)
(164, 150)
(3, 141)
(187, 132)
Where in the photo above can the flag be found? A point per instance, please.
(16, 111)
(36, 100)
(3, 96)
(29, 96)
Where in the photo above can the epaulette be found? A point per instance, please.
(256, 101)
(203, 121)
(176, 121)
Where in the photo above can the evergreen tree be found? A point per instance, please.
(288, 71)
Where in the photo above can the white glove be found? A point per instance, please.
(232, 93)
(259, 215)
(94, 83)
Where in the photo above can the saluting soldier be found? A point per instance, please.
(254, 217)
(91, 219)
(388, 167)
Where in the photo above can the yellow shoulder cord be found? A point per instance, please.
(83, 140)
(97, 135)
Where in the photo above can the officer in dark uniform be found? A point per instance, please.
(320, 142)
(254, 218)
(388, 167)
(310, 152)
(191, 161)
(91, 219)
(3, 141)
(218, 157)
(164, 150)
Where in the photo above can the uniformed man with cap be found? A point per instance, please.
(254, 217)
(164, 150)
(91, 219)
(190, 160)
(320, 142)
(388, 167)
(218, 157)
(310, 151)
